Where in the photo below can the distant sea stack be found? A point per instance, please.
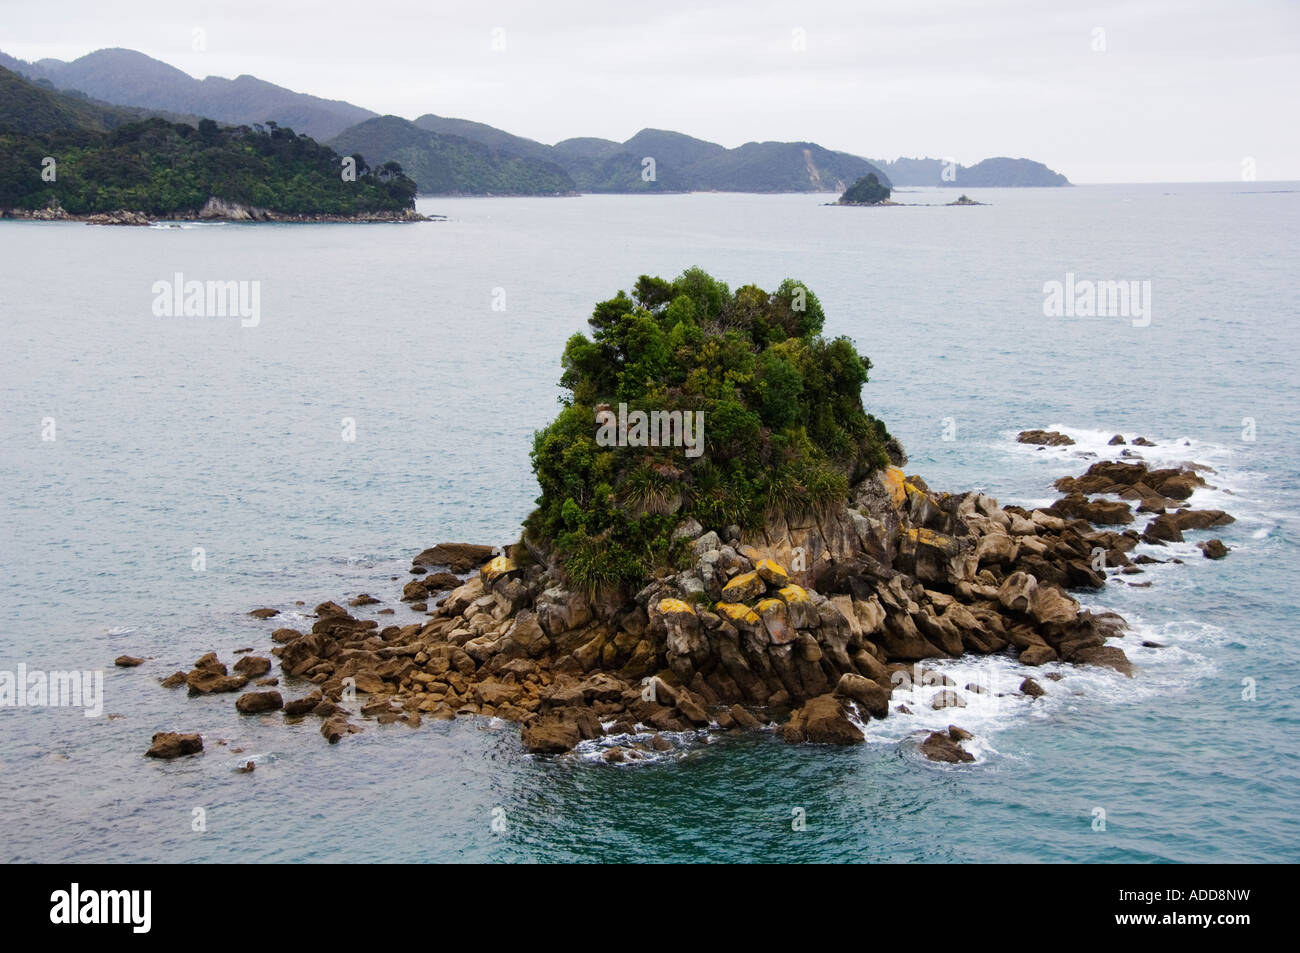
(868, 190)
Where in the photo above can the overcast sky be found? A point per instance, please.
(1159, 91)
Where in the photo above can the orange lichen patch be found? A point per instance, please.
(737, 612)
(669, 606)
(496, 568)
(913, 488)
(927, 537)
(793, 593)
(773, 573)
(894, 483)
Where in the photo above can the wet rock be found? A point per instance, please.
(210, 682)
(334, 728)
(252, 666)
(947, 699)
(551, 735)
(264, 613)
(745, 721)
(959, 734)
(1039, 654)
(170, 744)
(457, 557)
(127, 661)
(285, 635)
(1116, 441)
(822, 720)
(1048, 438)
(174, 680)
(1100, 512)
(939, 746)
(1214, 549)
(253, 703)
(1031, 688)
(868, 694)
(303, 706)
(210, 662)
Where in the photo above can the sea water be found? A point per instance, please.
(162, 475)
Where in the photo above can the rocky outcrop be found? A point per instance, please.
(807, 621)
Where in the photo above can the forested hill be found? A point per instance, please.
(65, 152)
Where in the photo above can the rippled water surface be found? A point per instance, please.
(173, 434)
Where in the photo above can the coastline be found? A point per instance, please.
(226, 213)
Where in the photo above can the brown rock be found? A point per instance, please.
(303, 706)
(1213, 549)
(252, 666)
(744, 720)
(822, 720)
(170, 744)
(551, 735)
(253, 703)
(211, 663)
(207, 682)
(1031, 688)
(940, 747)
(868, 694)
(1049, 438)
(457, 557)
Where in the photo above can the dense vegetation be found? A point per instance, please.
(784, 426)
(452, 165)
(163, 168)
(866, 191)
(106, 159)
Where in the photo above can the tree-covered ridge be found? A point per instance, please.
(445, 164)
(164, 168)
(784, 426)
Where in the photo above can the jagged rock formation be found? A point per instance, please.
(819, 616)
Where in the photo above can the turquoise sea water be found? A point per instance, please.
(177, 433)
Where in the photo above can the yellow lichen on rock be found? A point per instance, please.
(669, 606)
(793, 593)
(495, 568)
(773, 573)
(894, 483)
(745, 586)
(769, 605)
(927, 537)
(737, 612)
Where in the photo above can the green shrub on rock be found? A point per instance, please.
(784, 428)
